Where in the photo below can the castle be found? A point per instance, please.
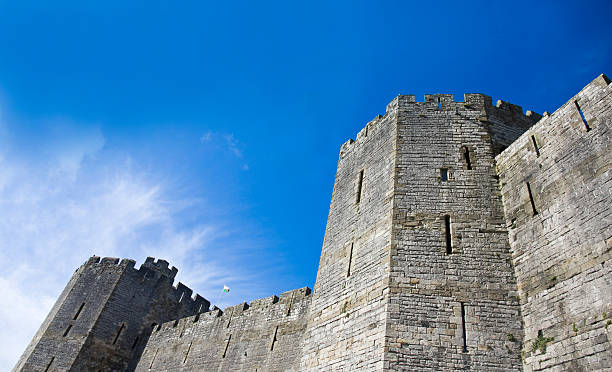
(461, 236)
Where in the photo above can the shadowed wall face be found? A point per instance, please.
(103, 319)
(556, 183)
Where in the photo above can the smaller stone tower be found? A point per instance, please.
(105, 315)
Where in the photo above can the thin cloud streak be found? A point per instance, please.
(81, 200)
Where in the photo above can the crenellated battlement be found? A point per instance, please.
(109, 261)
(475, 106)
(268, 305)
(153, 270)
(160, 266)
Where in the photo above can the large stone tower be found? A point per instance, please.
(415, 270)
(105, 315)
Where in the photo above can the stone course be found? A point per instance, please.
(460, 236)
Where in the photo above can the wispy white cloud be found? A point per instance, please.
(76, 199)
(227, 141)
(233, 145)
(206, 137)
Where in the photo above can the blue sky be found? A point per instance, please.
(207, 133)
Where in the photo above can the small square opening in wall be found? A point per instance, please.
(443, 174)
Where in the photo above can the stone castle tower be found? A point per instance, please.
(461, 236)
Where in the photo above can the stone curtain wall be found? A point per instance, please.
(562, 253)
(443, 283)
(104, 316)
(263, 336)
(347, 316)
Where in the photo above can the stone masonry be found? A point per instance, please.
(561, 243)
(460, 236)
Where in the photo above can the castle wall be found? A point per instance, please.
(54, 348)
(347, 316)
(562, 253)
(455, 307)
(263, 336)
(104, 317)
(439, 254)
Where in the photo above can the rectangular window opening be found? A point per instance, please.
(533, 207)
(274, 338)
(350, 261)
(119, 333)
(439, 104)
(464, 334)
(535, 146)
(359, 186)
(468, 161)
(49, 364)
(444, 174)
(227, 346)
(586, 123)
(67, 330)
(447, 233)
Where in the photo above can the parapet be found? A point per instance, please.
(502, 111)
(160, 266)
(109, 261)
(152, 269)
(268, 305)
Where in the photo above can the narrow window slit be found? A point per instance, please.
(78, 311)
(67, 330)
(535, 146)
(464, 334)
(290, 304)
(444, 174)
(586, 123)
(182, 295)
(227, 345)
(187, 353)
(119, 333)
(135, 342)
(439, 104)
(468, 161)
(359, 186)
(229, 321)
(153, 360)
(274, 338)
(533, 207)
(49, 364)
(350, 260)
(447, 233)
